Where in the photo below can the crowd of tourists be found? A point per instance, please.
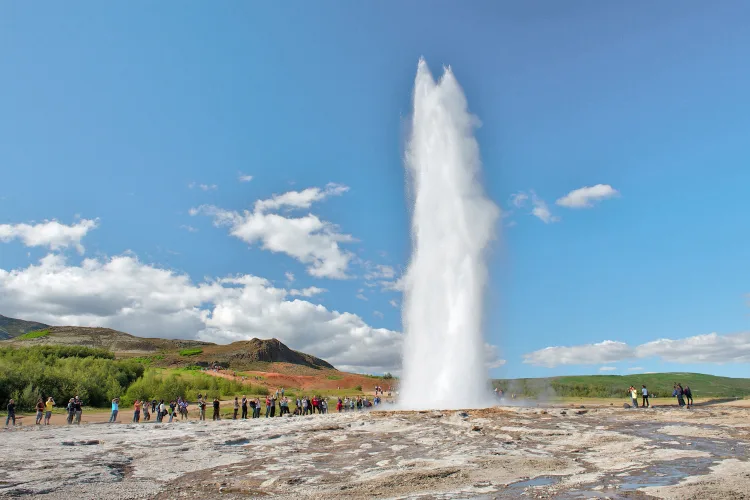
(684, 396)
(273, 405)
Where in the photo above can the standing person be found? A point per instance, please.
(244, 407)
(78, 407)
(145, 406)
(202, 409)
(339, 405)
(257, 408)
(136, 412)
(162, 411)
(71, 410)
(153, 407)
(236, 408)
(39, 411)
(11, 413)
(679, 393)
(634, 396)
(48, 407)
(115, 410)
(216, 409)
(688, 396)
(644, 391)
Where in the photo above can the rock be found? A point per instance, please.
(463, 414)
(563, 412)
(476, 428)
(543, 412)
(626, 406)
(581, 412)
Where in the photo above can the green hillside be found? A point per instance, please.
(11, 327)
(604, 386)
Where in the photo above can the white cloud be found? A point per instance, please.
(585, 197)
(289, 276)
(300, 199)
(244, 178)
(379, 271)
(710, 348)
(204, 187)
(491, 357)
(519, 199)
(607, 368)
(308, 239)
(393, 286)
(123, 293)
(189, 228)
(50, 233)
(541, 211)
(361, 296)
(394, 303)
(589, 354)
(307, 292)
(635, 369)
(378, 314)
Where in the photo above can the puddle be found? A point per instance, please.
(537, 481)
(236, 442)
(665, 474)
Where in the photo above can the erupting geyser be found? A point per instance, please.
(452, 224)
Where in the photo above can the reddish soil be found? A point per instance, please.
(273, 380)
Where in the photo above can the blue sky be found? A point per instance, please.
(131, 116)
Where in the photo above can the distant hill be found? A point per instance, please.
(11, 327)
(604, 386)
(162, 352)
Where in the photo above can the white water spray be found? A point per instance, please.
(452, 224)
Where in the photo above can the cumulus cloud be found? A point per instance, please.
(709, 348)
(607, 368)
(244, 178)
(307, 292)
(589, 354)
(289, 276)
(541, 211)
(307, 238)
(378, 314)
(300, 199)
(123, 293)
(492, 357)
(587, 196)
(189, 228)
(50, 233)
(393, 303)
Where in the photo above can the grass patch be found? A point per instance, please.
(191, 352)
(616, 386)
(34, 335)
(334, 377)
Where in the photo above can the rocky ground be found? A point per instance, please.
(550, 452)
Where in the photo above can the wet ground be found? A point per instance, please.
(566, 453)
